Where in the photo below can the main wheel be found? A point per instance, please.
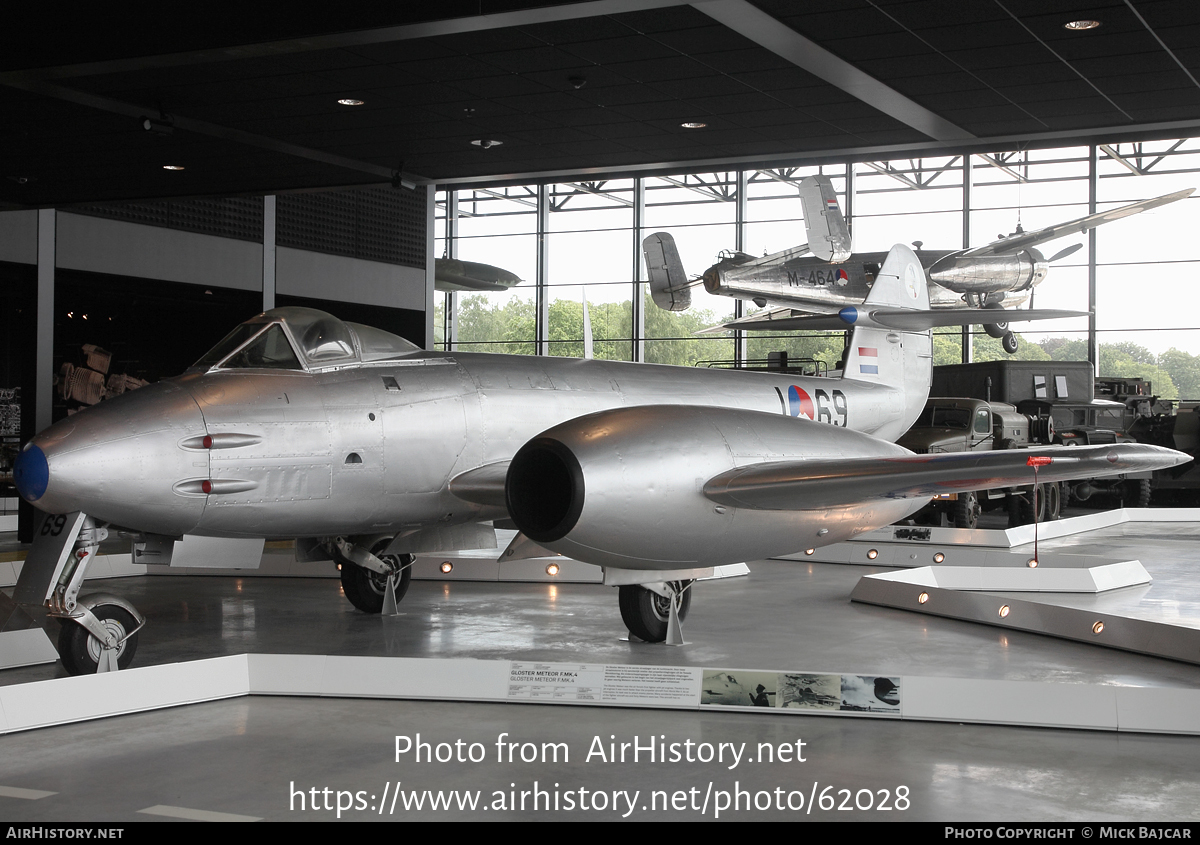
(967, 510)
(1009, 342)
(80, 651)
(365, 588)
(645, 612)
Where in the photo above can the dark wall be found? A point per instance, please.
(154, 329)
(18, 365)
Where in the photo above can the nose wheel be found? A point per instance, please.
(85, 653)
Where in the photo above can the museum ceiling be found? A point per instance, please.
(506, 91)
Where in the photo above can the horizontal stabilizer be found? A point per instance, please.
(1016, 243)
(669, 286)
(816, 484)
(901, 319)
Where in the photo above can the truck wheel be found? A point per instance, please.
(1137, 493)
(966, 510)
(1031, 501)
(1053, 502)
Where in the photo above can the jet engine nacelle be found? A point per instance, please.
(625, 487)
(990, 273)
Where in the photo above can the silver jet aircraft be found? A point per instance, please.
(454, 274)
(823, 276)
(370, 450)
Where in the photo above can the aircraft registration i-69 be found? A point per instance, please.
(370, 450)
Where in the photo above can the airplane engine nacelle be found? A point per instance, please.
(990, 273)
(625, 487)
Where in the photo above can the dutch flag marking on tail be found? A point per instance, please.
(868, 352)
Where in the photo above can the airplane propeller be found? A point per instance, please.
(1063, 253)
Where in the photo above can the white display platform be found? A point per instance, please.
(1084, 706)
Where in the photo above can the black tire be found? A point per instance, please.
(967, 510)
(645, 612)
(1009, 342)
(1031, 500)
(80, 651)
(365, 589)
(1053, 494)
(1137, 493)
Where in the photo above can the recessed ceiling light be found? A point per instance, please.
(693, 125)
(172, 167)
(486, 143)
(1084, 24)
(349, 101)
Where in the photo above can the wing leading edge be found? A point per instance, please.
(816, 484)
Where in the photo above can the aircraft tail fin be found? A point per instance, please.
(669, 285)
(897, 359)
(828, 235)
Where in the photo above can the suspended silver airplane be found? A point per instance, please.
(823, 277)
(370, 450)
(453, 274)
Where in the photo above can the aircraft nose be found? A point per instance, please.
(31, 473)
(120, 461)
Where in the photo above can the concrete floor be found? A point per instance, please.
(245, 756)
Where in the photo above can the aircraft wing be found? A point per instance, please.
(903, 319)
(1016, 243)
(814, 484)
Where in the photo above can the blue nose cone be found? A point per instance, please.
(31, 473)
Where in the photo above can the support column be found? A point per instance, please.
(968, 348)
(1093, 343)
(268, 271)
(542, 320)
(430, 209)
(450, 310)
(44, 353)
(639, 283)
(741, 345)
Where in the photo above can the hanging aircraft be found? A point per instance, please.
(370, 450)
(453, 274)
(823, 276)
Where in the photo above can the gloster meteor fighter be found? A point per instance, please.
(824, 277)
(368, 450)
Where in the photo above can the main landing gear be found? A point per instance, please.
(654, 613)
(368, 576)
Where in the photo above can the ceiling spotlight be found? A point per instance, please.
(446, 567)
(1098, 627)
(349, 101)
(1081, 25)
(924, 597)
(552, 569)
(809, 551)
(693, 125)
(577, 82)
(938, 557)
(172, 167)
(1004, 611)
(872, 554)
(486, 143)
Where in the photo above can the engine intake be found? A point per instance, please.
(544, 490)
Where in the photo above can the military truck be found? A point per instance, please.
(1160, 422)
(1014, 405)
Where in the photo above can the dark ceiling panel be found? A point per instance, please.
(643, 74)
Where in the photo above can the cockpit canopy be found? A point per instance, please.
(296, 338)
